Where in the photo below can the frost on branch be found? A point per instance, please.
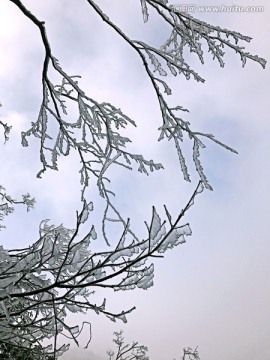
(186, 33)
(127, 351)
(7, 201)
(39, 285)
(56, 275)
(96, 136)
(190, 354)
(139, 352)
(6, 129)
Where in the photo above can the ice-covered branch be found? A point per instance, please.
(39, 285)
(95, 134)
(7, 203)
(127, 351)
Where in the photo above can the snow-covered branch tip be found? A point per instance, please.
(7, 203)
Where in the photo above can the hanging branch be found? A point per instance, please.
(189, 32)
(39, 285)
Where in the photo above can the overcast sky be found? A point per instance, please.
(212, 292)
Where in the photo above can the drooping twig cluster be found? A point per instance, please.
(7, 205)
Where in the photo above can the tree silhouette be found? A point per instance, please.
(41, 284)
